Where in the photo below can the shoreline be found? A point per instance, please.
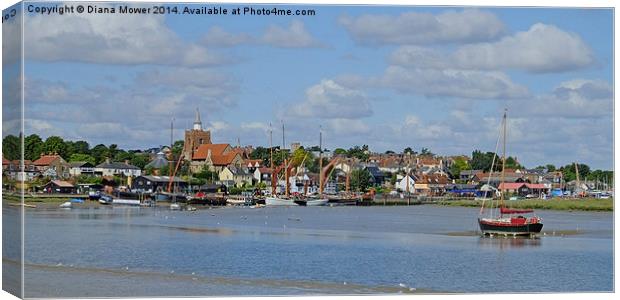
(590, 205)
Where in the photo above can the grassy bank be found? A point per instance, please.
(13, 198)
(586, 204)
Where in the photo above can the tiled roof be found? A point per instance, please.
(224, 160)
(253, 162)
(203, 150)
(46, 160)
(117, 165)
(61, 183)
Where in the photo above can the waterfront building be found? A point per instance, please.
(12, 170)
(52, 164)
(151, 183)
(405, 183)
(109, 168)
(263, 175)
(215, 157)
(81, 168)
(59, 187)
(195, 137)
(159, 162)
(237, 176)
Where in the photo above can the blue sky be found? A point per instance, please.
(386, 76)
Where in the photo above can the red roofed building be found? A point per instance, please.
(523, 188)
(52, 165)
(215, 157)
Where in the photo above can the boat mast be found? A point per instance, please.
(286, 171)
(273, 186)
(320, 161)
(501, 198)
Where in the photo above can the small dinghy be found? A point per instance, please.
(65, 205)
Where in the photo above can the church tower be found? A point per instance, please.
(197, 122)
(195, 137)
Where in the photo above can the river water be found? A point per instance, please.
(125, 251)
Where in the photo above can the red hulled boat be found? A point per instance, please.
(508, 221)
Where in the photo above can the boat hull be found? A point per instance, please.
(489, 228)
(317, 202)
(272, 201)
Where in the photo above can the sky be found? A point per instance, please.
(389, 77)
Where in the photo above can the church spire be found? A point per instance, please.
(197, 122)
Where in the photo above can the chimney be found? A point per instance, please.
(107, 160)
(127, 161)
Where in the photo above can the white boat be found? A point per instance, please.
(316, 202)
(235, 201)
(126, 201)
(275, 201)
(65, 205)
(175, 206)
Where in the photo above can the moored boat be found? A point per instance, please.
(105, 200)
(126, 201)
(503, 223)
(277, 201)
(317, 202)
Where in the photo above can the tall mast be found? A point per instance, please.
(171, 145)
(273, 187)
(320, 162)
(501, 199)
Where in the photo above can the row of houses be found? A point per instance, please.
(54, 166)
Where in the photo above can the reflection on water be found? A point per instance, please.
(305, 250)
(509, 242)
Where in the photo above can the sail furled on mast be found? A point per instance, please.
(507, 211)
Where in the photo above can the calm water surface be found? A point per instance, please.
(124, 251)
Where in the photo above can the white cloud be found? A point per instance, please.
(294, 36)
(110, 39)
(330, 100)
(469, 25)
(573, 99)
(452, 83)
(543, 48)
(348, 127)
(218, 37)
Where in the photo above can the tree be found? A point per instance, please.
(11, 149)
(55, 144)
(568, 172)
(177, 148)
(360, 180)
(426, 151)
(261, 153)
(100, 153)
(300, 155)
(408, 150)
(359, 153)
(389, 152)
(81, 147)
(33, 146)
(459, 164)
(482, 161)
(77, 157)
(140, 160)
(207, 174)
(550, 168)
(340, 151)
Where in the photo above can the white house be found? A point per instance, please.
(403, 181)
(81, 168)
(117, 168)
